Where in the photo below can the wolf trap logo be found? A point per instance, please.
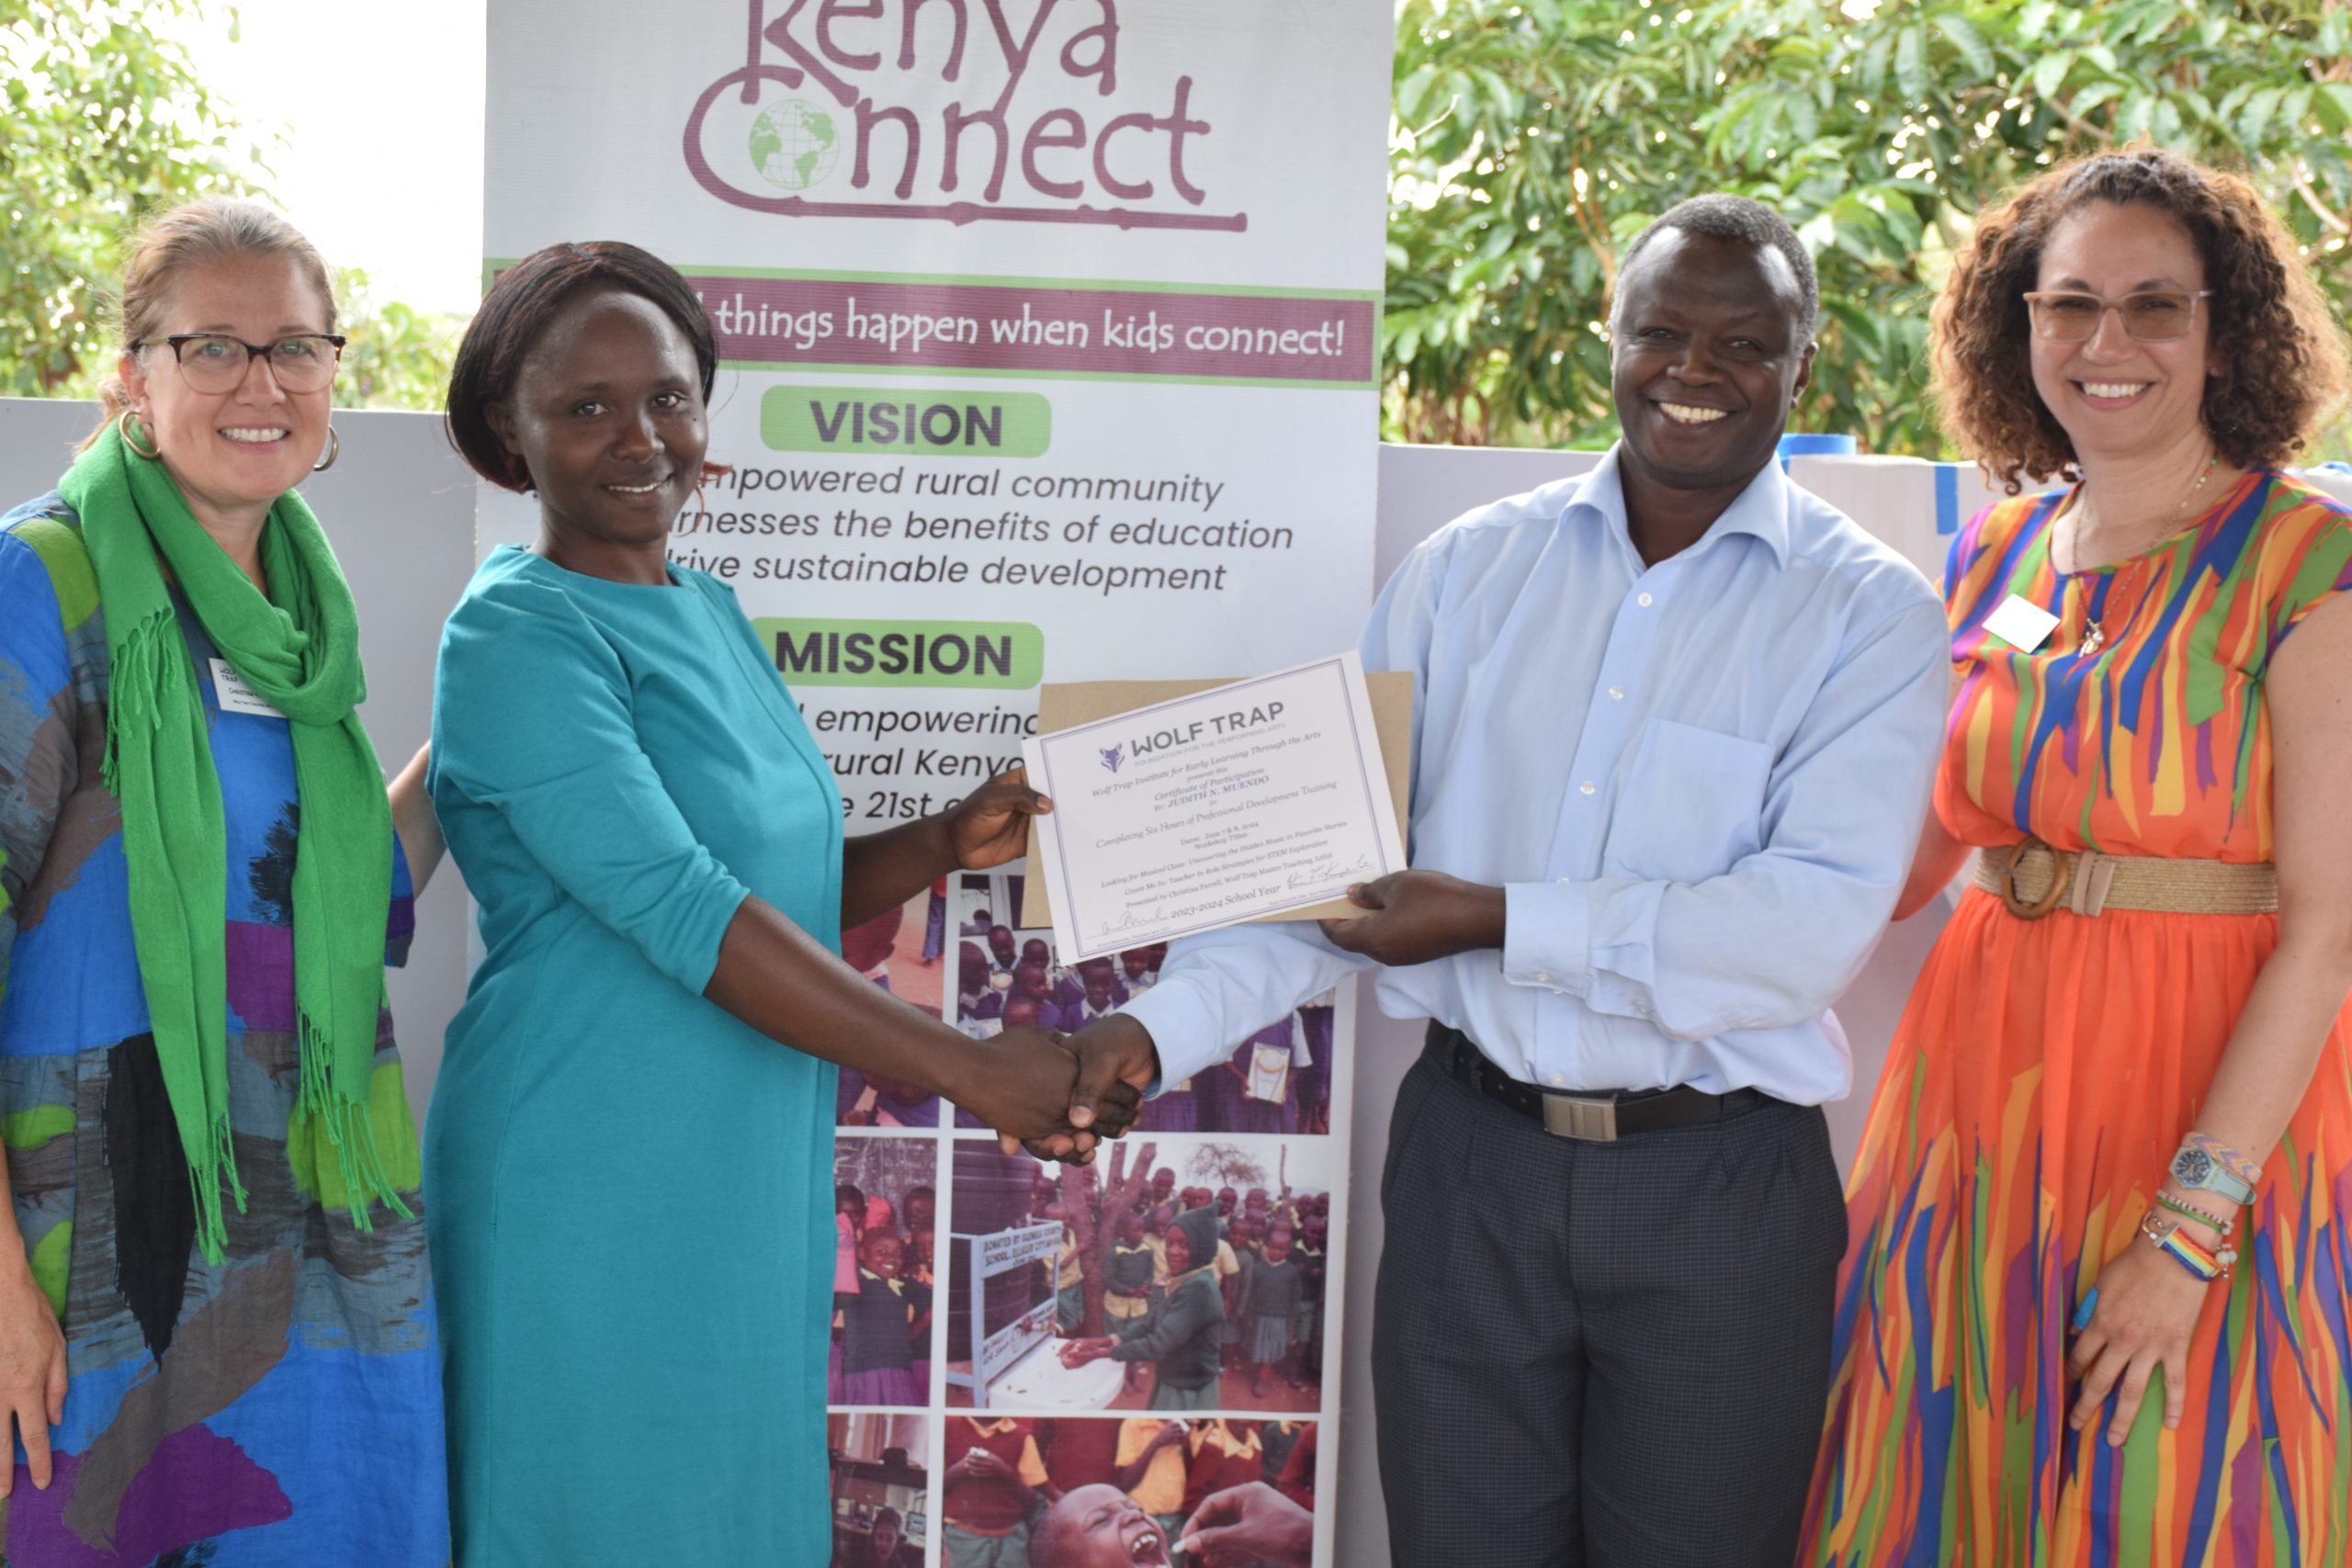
(826, 86)
(1112, 756)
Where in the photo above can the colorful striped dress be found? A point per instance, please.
(2046, 1070)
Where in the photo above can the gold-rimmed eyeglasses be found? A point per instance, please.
(2150, 315)
(210, 363)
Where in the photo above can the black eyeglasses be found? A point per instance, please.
(210, 363)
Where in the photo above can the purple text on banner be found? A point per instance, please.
(972, 326)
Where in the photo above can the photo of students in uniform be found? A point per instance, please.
(880, 1491)
(994, 969)
(905, 951)
(1180, 1274)
(1277, 1081)
(1097, 1492)
(885, 1209)
(876, 1100)
(982, 900)
(989, 1479)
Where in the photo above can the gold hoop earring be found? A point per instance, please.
(334, 450)
(124, 426)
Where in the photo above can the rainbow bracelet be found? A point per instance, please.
(2165, 1235)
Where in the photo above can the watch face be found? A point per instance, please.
(2192, 1165)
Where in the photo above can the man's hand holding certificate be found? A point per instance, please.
(1261, 799)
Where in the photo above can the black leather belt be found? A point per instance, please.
(1594, 1118)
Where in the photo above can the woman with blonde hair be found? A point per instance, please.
(2094, 1308)
(217, 1327)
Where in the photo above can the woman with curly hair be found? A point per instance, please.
(2097, 1295)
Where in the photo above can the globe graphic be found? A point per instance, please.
(794, 144)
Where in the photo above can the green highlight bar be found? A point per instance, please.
(883, 419)
(995, 655)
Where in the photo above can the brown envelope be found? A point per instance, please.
(1068, 703)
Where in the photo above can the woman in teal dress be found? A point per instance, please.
(630, 1148)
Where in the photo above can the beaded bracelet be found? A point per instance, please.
(2191, 1210)
(2165, 1235)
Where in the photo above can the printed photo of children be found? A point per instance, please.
(1098, 1492)
(885, 1207)
(1001, 967)
(986, 898)
(1177, 1274)
(1277, 1081)
(905, 951)
(881, 1494)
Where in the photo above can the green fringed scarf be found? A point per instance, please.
(298, 650)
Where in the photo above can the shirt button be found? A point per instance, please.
(1587, 788)
(1559, 1077)
(1643, 599)
(1616, 694)
(1542, 979)
(1641, 1007)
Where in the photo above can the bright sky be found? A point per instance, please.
(370, 118)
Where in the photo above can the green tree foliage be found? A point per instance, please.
(1534, 138)
(398, 358)
(105, 123)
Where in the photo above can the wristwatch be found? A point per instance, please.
(2199, 1171)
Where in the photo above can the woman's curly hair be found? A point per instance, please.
(2277, 359)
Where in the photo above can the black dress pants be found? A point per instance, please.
(1613, 1354)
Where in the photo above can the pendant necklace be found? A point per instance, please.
(2095, 636)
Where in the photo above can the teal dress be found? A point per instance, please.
(631, 1192)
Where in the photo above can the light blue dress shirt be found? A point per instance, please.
(1700, 783)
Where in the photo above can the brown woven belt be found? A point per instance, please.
(2033, 880)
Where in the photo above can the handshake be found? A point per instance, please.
(1059, 1095)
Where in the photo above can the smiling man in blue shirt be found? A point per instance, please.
(1674, 731)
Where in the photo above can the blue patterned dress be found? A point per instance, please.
(283, 1407)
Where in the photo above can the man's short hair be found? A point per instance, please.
(1720, 216)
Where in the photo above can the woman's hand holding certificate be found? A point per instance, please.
(991, 825)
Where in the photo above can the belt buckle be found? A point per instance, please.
(1580, 1117)
(2061, 874)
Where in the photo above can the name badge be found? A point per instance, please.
(2022, 624)
(234, 696)
(1269, 1073)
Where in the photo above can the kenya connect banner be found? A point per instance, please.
(1048, 331)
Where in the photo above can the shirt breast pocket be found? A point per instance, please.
(1693, 805)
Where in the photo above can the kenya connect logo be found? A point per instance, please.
(990, 113)
(795, 144)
